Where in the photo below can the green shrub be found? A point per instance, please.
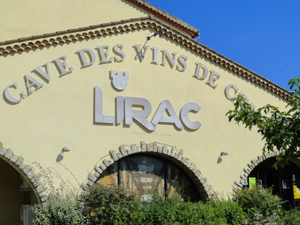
(115, 205)
(62, 209)
(173, 211)
(110, 205)
(158, 211)
(230, 212)
(211, 212)
(292, 217)
(259, 203)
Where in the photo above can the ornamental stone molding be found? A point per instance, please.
(239, 183)
(163, 150)
(166, 17)
(98, 31)
(26, 171)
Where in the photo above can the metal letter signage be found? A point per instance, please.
(127, 108)
(9, 97)
(166, 105)
(99, 117)
(126, 111)
(119, 81)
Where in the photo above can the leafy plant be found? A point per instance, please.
(279, 129)
(110, 205)
(259, 203)
(61, 209)
(292, 217)
(62, 205)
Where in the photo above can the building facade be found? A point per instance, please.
(121, 93)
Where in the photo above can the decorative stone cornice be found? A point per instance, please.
(26, 171)
(169, 152)
(168, 18)
(124, 26)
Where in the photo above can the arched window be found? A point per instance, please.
(285, 182)
(146, 174)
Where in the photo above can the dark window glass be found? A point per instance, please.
(145, 174)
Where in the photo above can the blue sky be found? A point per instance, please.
(261, 35)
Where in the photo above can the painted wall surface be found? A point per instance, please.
(27, 18)
(61, 113)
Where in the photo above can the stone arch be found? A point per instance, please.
(166, 151)
(239, 182)
(26, 171)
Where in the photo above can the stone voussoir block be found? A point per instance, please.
(30, 175)
(243, 177)
(27, 169)
(119, 155)
(173, 151)
(36, 177)
(83, 186)
(44, 199)
(143, 146)
(246, 171)
(96, 174)
(111, 161)
(133, 148)
(129, 151)
(36, 183)
(202, 179)
(98, 169)
(113, 155)
(89, 183)
(40, 188)
(165, 149)
(169, 152)
(19, 161)
(3, 151)
(180, 155)
(14, 159)
(250, 166)
(242, 181)
(207, 188)
(106, 163)
(237, 184)
(150, 147)
(9, 154)
(22, 166)
(198, 173)
(254, 162)
(123, 151)
(159, 149)
(102, 167)
(92, 178)
(42, 194)
(184, 160)
(155, 149)
(194, 169)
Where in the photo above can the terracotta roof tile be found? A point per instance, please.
(167, 30)
(193, 32)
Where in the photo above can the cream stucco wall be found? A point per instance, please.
(27, 18)
(60, 114)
